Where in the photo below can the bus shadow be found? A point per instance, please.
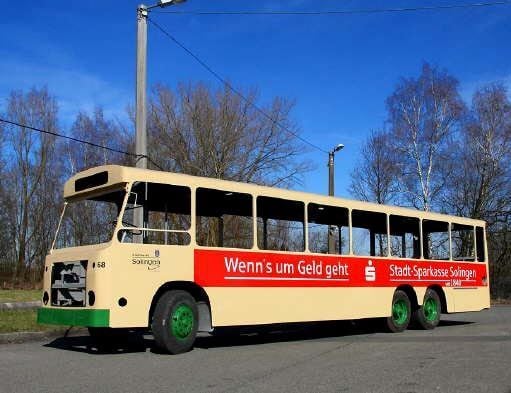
(443, 323)
(131, 343)
(229, 337)
(234, 336)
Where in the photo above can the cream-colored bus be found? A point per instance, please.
(213, 253)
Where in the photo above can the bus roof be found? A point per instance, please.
(97, 179)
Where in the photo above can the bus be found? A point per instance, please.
(180, 254)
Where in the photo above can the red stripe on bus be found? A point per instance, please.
(226, 268)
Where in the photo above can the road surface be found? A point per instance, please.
(467, 353)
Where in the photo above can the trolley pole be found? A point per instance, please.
(331, 192)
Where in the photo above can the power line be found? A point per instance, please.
(137, 156)
(342, 12)
(232, 88)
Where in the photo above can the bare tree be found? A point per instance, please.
(215, 133)
(6, 267)
(423, 114)
(480, 185)
(374, 179)
(101, 131)
(29, 179)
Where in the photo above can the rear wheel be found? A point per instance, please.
(174, 323)
(428, 315)
(400, 313)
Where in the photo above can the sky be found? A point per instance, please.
(338, 69)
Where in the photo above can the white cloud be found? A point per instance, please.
(75, 90)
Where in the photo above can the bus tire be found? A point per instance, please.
(175, 322)
(427, 316)
(401, 311)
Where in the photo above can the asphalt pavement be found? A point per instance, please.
(468, 352)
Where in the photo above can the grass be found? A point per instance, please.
(23, 321)
(19, 295)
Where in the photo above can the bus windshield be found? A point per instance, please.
(90, 221)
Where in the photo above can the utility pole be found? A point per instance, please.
(141, 114)
(331, 192)
(141, 111)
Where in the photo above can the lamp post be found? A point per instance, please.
(141, 112)
(331, 228)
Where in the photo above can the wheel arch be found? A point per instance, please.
(197, 292)
(412, 296)
(441, 294)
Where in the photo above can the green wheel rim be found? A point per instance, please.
(399, 312)
(181, 322)
(430, 308)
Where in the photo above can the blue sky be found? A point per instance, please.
(339, 69)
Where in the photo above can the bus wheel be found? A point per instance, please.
(428, 315)
(174, 323)
(401, 312)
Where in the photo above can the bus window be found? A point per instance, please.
(323, 219)
(405, 237)
(369, 231)
(435, 239)
(462, 240)
(166, 214)
(90, 221)
(224, 219)
(480, 244)
(280, 224)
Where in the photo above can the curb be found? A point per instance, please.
(20, 305)
(21, 337)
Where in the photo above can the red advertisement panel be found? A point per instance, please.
(226, 268)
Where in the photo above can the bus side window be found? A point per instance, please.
(462, 240)
(405, 237)
(369, 231)
(224, 219)
(280, 224)
(435, 240)
(480, 244)
(166, 210)
(324, 219)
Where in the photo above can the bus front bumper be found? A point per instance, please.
(83, 317)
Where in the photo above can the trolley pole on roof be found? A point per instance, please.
(331, 192)
(141, 89)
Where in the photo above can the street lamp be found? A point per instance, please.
(141, 114)
(331, 228)
(331, 154)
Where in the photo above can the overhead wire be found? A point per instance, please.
(343, 12)
(232, 88)
(56, 134)
(331, 12)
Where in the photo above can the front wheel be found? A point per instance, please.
(174, 323)
(400, 313)
(428, 315)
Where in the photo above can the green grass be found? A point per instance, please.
(23, 321)
(20, 295)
